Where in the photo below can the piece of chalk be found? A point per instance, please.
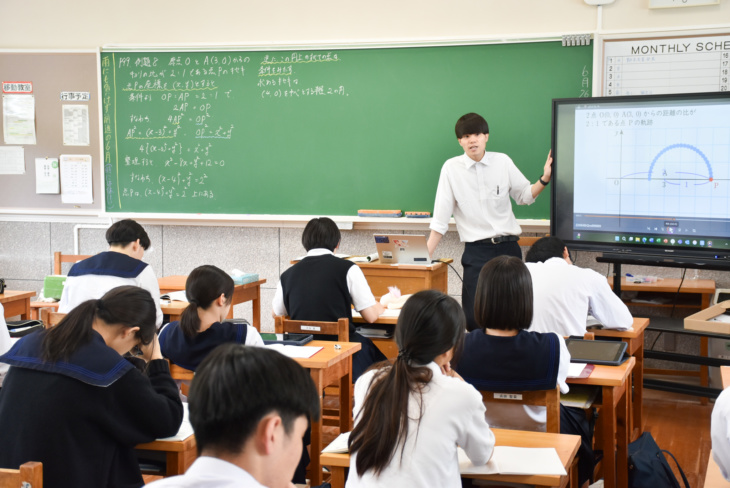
(379, 213)
(418, 215)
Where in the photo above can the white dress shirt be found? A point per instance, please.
(357, 285)
(210, 472)
(477, 194)
(720, 432)
(529, 417)
(564, 295)
(78, 289)
(453, 414)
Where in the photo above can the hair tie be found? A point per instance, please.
(194, 302)
(405, 356)
(100, 304)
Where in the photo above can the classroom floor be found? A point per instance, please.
(681, 425)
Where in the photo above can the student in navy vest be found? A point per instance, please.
(121, 265)
(201, 328)
(323, 287)
(73, 402)
(502, 355)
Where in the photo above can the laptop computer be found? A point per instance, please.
(402, 249)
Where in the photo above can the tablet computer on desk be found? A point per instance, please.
(402, 249)
(610, 353)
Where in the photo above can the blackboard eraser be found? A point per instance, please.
(379, 213)
(418, 215)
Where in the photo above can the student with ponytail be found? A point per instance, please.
(410, 417)
(73, 402)
(201, 328)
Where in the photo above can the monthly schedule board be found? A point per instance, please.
(323, 132)
(658, 66)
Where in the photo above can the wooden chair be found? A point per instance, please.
(544, 398)
(29, 475)
(50, 318)
(341, 328)
(58, 260)
(181, 374)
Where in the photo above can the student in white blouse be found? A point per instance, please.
(720, 433)
(411, 416)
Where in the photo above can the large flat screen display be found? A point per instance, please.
(643, 174)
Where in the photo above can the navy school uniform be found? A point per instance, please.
(83, 417)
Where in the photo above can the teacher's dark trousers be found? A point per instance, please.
(476, 254)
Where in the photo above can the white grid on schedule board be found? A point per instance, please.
(655, 66)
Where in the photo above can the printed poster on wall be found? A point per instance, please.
(76, 178)
(19, 119)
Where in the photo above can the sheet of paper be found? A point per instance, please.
(186, 429)
(12, 160)
(75, 125)
(516, 460)
(47, 179)
(178, 296)
(295, 351)
(575, 369)
(76, 179)
(339, 444)
(19, 119)
(387, 313)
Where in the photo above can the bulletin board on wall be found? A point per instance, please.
(57, 79)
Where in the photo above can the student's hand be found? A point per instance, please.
(152, 350)
(446, 369)
(547, 171)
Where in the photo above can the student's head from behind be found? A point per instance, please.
(472, 133)
(207, 288)
(504, 295)
(322, 233)
(129, 237)
(253, 403)
(125, 316)
(430, 323)
(546, 248)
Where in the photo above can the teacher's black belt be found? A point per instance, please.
(498, 239)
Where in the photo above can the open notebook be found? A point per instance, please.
(505, 460)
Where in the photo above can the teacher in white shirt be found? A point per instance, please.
(475, 188)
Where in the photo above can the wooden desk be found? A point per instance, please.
(635, 340)
(565, 445)
(17, 303)
(702, 289)
(241, 294)
(713, 476)
(330, 366)
(179, 454)
(408, 278)
(613, 418)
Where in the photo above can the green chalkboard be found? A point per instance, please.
(320, 132)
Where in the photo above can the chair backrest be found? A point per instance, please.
(180, 373)
(50, 318)
(59, 258)
(341, 328)
(30, 475)
(545, 398)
